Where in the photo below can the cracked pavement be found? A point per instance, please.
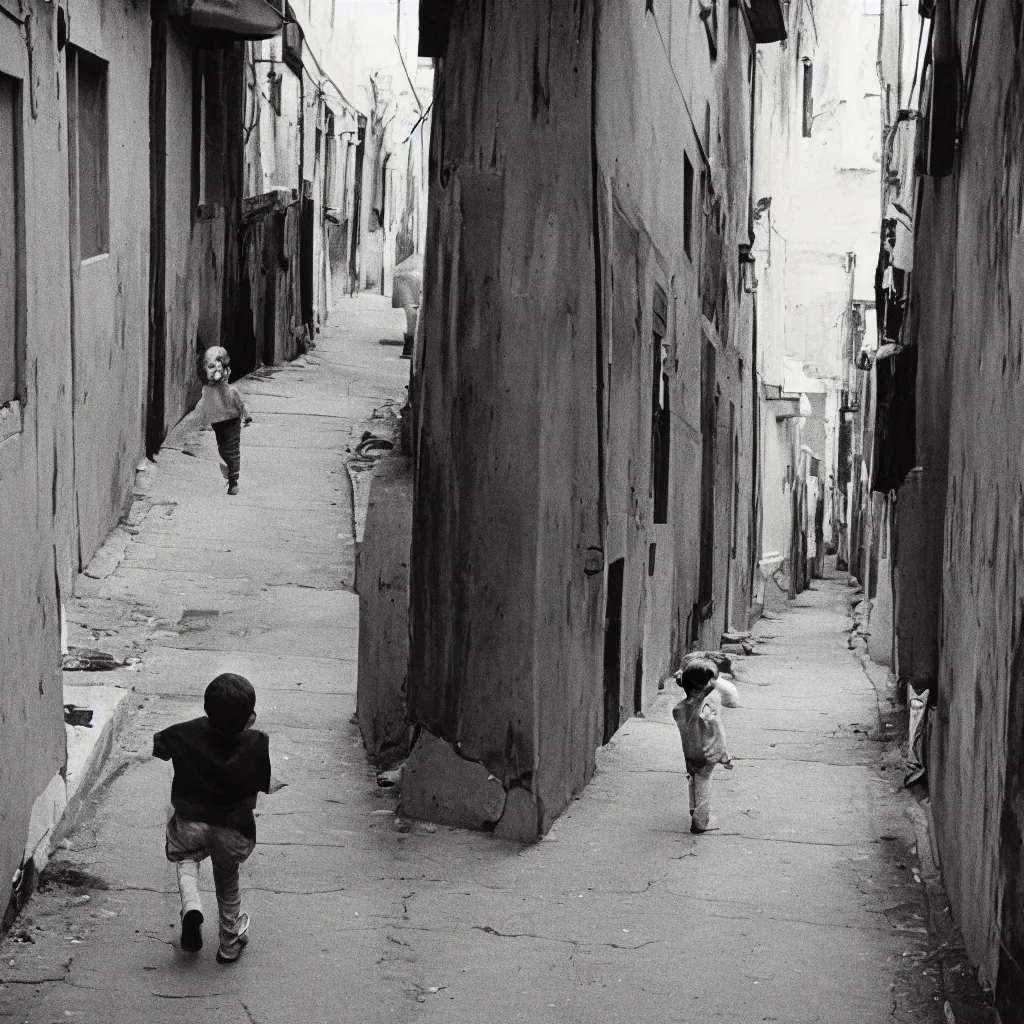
(806, 906)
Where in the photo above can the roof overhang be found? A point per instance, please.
(240, 19)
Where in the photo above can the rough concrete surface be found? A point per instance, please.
(805, 906)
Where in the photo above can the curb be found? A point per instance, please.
(89, 749)
(60, 808)
(965, 1002)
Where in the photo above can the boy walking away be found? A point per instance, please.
(220, 765)
(222, 407)
(697, 717)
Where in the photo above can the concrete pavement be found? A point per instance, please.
(805, 906)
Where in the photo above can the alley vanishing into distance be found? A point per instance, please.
(576, 353)
(807, 905)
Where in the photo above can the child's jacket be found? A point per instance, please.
(700, 729)
(216, 775)
(218, 402)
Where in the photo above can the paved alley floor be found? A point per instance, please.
(804, 907)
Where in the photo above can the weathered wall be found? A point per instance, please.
(656, 82)
(183, 260)
(819, 199)
(506, 603)
(967, 320)
(779, 459)
(383, 585)
(111, 290)
(38, 547)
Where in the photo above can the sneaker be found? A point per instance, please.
(192, 931)
(232, 488)
(241, 941)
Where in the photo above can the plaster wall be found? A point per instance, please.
(967, 321)
(818, 195)
(506, 610)
(659, 95)
(183, 260)
(383, 585)
(38, 541)
(109, 338)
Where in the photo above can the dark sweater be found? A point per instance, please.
(216, 775)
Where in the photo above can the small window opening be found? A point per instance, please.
(808, 97)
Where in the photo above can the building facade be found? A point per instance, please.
(816, 175)
(948, 421)
(584, 387)
(164, 186)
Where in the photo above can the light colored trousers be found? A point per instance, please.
(700, 796)
(188, 843)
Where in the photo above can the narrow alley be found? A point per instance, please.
(806, 906)
(601, 373)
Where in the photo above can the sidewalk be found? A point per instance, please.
(806, 906)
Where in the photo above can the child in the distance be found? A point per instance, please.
(697, 717)
(222, 407)
(220, 764)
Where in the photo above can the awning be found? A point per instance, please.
(767, 20)
(243, 19)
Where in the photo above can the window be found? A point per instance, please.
(88, 99)
(808, 97)
(687, 206)
(10, 241)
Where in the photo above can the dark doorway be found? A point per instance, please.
(661, 438)
(306, 234)
(709, 434)
(1010, 984)
(613, 648)
(660, 419)
(357, 207)
(155, 383)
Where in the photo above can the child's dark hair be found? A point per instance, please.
(230, 700)
(697, 673)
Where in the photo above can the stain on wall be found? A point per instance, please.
(561, 312)
(38, 541)
(110, 289)
(968, 264)
(505, 620)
